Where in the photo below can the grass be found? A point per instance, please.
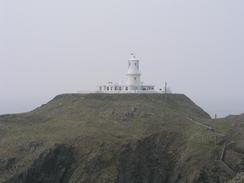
(87, 120)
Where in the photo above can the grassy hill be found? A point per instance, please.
(102, 138)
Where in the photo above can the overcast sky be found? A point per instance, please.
(48, 47)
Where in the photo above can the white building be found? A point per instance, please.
(133, 83)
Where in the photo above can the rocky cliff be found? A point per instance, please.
(128, 138)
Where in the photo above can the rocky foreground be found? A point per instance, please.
(127, 138)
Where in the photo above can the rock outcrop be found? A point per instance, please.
(52, 166)
(128, 138)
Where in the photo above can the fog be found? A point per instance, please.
(60, 46)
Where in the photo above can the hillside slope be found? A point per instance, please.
(128, 138)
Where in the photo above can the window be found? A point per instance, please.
(135, 78)
(126, 88)
(108, 88)
(135, 64)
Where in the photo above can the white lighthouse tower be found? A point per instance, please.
(133, 83)
(133, 74)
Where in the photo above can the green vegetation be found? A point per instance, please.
(100, 126)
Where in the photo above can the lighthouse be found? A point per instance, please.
(133, 83)
(133, 75)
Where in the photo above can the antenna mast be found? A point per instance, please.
(165, 87)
